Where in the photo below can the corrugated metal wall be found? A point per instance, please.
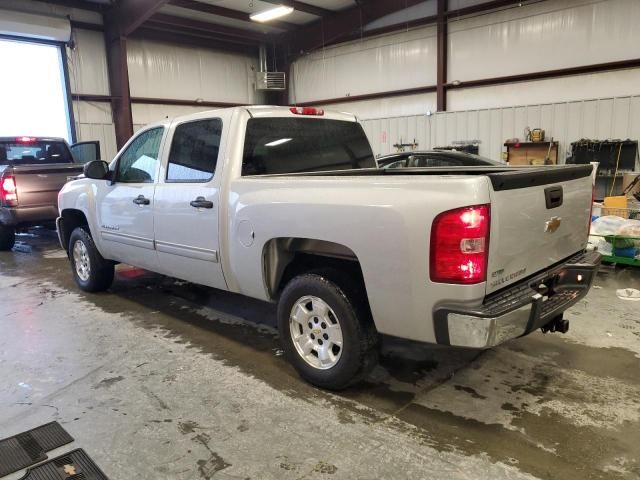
(536, 37)
(566, 122)
(163, 70)
(156, 70)
(88, 74)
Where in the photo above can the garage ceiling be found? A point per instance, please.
(226, 23)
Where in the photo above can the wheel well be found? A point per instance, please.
(72, 219)
(284, 258)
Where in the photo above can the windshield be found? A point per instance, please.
(34, 152)
(294, 145)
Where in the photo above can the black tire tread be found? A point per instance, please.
(344, 286)
(7, 237)
(102, 271)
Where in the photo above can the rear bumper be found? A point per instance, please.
(519, 309)
(27, 215)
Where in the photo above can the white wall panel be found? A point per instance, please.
(607, 118)
(88, 63)
(393, 106)
(539, 36)
(575, 87)
(392, 62)
(144, 114)
(161, 70)
(634, 118)
(94, 122)
(543, 36)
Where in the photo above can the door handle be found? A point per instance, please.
(141, 200)
(200, 202)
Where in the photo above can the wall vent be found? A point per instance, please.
(270, 81)
(266, 80)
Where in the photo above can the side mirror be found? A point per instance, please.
(96, 169)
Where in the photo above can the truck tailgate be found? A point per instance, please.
(538, 218)
(39, 185)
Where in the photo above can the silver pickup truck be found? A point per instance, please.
(32, 172)
(287, 205)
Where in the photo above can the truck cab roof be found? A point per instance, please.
(260, 111)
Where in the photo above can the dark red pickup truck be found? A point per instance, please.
(32, 172)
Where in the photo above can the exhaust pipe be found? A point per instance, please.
(558, 324)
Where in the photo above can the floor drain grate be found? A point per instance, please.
(29, 448)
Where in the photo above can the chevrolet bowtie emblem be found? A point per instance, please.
(552, 224)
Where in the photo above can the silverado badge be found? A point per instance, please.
(552, 224)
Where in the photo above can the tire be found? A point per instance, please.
(324, 299)
(91, 272)
(7, 237)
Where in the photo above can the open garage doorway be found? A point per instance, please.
(33, 94)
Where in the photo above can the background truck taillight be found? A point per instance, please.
(460, 245)
(8, 190)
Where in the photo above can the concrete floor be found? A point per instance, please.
(162, 379)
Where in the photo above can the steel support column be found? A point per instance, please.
(119, 85)
(442, 61)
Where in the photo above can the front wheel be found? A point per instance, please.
(326, 330)
(90, 270)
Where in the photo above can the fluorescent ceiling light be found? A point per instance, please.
(271, 14)
(275, 143)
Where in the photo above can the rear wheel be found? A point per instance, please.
(7, 237)
(90, 270)
(326, 329)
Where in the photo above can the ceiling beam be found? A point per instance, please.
(303, 7)
(195, 40)
(197, 25)
(124, 17)
(483, 7)
(162, 28)
(343, 24)
(80, 4)
(225, 12)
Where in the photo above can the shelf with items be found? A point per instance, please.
(532, 153)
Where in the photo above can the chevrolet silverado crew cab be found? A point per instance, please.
(287, 205)
(32, 172)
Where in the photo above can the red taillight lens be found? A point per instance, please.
(460, 245)
(306, 111)
(8, 190)
(25, 139)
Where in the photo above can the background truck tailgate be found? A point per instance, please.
(538, 218)
(39, 184)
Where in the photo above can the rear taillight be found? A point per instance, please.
(307, 111)
(460, 245)
(8, 190)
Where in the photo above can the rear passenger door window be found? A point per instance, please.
(194, 151)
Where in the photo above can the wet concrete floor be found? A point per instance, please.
(158, 378)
